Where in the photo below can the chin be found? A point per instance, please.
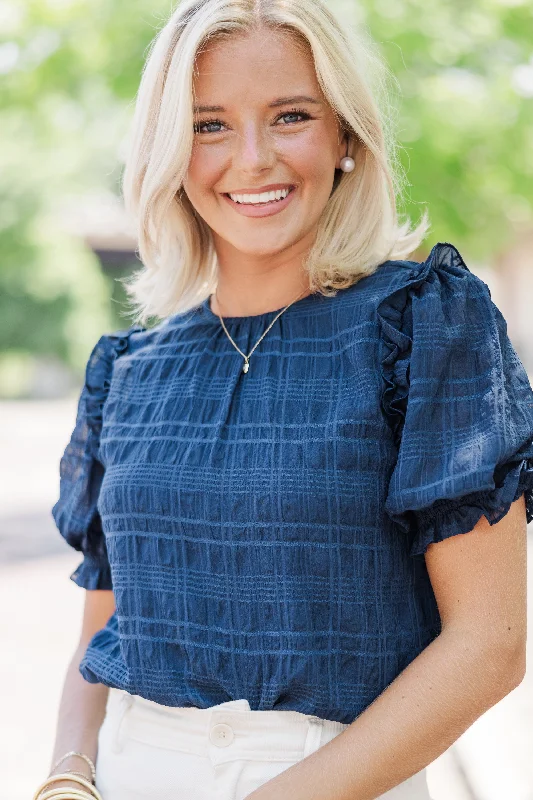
(262, 252)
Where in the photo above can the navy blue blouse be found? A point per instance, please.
(264, 533)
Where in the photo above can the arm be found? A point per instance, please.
(82, 705)
(479, 580)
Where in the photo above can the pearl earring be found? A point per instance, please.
(347, 164)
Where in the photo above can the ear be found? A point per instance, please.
(343, 148)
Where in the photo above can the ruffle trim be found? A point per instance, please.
(394, 315)
(94, 572)
(99, 371)
(449, 517)
(103, 661)
(81, 470)
(446, 517)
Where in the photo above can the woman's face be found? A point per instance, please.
(267, 129)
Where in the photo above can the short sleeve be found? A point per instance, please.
(458, 401)
(81, 470)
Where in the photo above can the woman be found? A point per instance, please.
(301, 496)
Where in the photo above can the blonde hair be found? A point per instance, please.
(359, 227)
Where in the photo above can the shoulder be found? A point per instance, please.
(441, 290)
(137, 340)
(392, 284)
(444, 271)
(112, 352)
(434, 316)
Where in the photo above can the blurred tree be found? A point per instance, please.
(463, 75)
(464, 116)
(70, 71)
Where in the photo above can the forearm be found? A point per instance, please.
(81, 713)
(418, 716)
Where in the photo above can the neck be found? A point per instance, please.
(251, 304)
(247, 286)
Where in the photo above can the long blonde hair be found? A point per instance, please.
(359, 228)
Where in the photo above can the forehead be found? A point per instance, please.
(253, 67)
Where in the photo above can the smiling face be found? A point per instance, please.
(262, 128)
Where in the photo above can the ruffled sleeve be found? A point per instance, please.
(81, 471)
(458, 401)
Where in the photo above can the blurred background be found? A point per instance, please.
(69, 71)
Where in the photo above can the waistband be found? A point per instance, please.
(222, 732)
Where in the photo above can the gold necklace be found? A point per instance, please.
(246, 364)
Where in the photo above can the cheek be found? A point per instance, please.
(312, 158)
(205, 169)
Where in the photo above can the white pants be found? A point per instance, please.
(148, 751)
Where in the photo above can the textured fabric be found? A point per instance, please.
(148, 751)
(460, 402)
(264, 532)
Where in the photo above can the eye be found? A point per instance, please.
(206, 125)
(295, 113)
(199, 125)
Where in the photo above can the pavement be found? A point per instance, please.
(41, 611)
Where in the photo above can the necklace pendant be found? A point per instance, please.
(246, 366)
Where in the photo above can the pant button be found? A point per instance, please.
(221, 734)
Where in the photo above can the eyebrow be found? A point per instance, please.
(281, 101)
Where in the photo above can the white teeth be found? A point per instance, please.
(265, 197)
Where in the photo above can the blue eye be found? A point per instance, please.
(199, 127)
(296, 113)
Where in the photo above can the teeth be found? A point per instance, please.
(265, 197)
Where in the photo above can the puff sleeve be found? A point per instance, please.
(81, 470)
(458, 401)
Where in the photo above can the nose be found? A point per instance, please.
(255, 150)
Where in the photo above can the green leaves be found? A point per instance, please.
(461, 77)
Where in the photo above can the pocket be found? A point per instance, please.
(156, 730)
(145, 771)
(118, 722)
(111, 765)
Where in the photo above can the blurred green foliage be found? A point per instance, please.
(463, 74)
(465, 118)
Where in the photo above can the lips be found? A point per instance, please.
(288, 189)
(261, 209)
(272, 187)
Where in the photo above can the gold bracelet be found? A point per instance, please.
(66, 793)
(80, 755)
(73, 794)
(66, 776)
(73, 772)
